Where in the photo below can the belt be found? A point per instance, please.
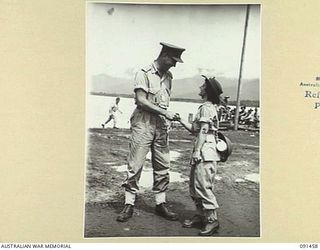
(212, 132)
(138, 107)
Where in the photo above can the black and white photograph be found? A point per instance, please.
(172, 120)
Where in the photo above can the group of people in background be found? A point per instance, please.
(248, 117)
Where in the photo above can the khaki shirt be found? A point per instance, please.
(158, 88)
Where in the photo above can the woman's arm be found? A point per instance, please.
(201, 138)
(187, 125)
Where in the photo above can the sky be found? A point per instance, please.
(123, 38)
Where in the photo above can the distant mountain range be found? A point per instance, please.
(181, 88)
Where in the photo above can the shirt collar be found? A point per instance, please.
(206, 103)
(154, 70)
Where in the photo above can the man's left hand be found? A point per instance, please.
(177, 117)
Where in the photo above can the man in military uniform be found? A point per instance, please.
(149, 130)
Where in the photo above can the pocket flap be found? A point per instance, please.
(209, 152)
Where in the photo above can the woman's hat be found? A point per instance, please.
(214, 84)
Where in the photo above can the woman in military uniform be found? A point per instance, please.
(204, 158)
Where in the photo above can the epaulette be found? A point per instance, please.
(146, 69)
(170, 74)
(207, 104)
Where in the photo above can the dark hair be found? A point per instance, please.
(212, 95)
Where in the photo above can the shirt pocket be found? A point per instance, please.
(154, 84)
(153, 94)
(163, 98)
(153, 90)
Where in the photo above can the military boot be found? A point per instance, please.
(196, 221)
(126, 213)
(210, 228)
(163, 211)
(211, 223)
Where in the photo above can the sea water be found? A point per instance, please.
(97, 111)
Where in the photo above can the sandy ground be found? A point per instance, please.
(237, 188)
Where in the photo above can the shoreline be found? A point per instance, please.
(248, 103)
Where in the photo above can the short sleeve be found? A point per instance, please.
(206, 114)
(140, 81)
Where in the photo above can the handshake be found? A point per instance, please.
(172, 116)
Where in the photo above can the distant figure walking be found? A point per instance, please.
(112, 111)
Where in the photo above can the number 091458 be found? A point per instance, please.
(305, 246)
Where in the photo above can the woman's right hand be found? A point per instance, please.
(196, 157)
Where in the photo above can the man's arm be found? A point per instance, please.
(143, 103)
